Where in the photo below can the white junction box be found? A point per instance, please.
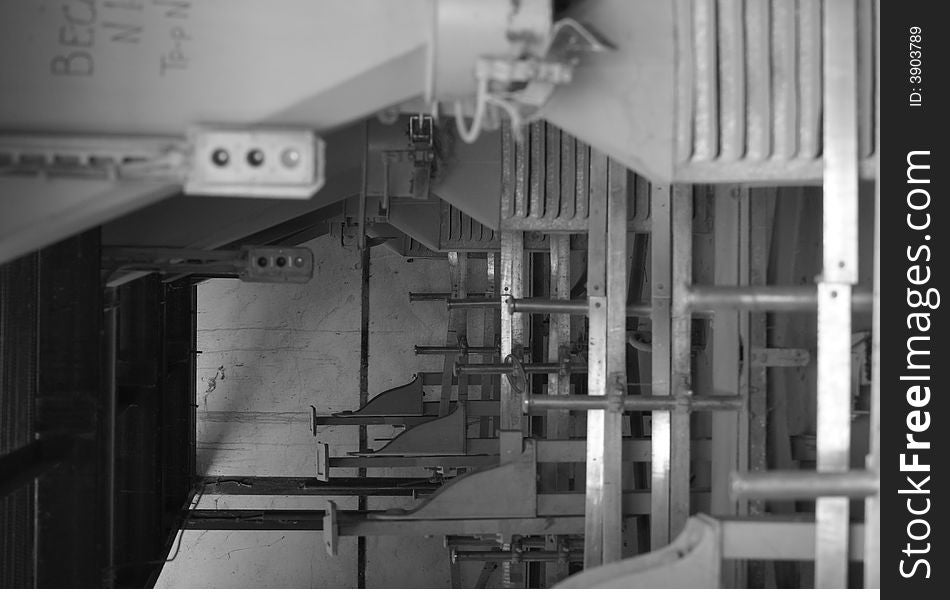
(270, 163)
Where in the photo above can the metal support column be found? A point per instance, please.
(661, 254)
(558, 421)
(680, 349)
(872, 506)
(607, 297)
(729, 238)
(512, 342)
(839, 274)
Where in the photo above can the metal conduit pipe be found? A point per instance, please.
(475, 302)
(456, 350)
(443, 296)
(766, 298)
(704, 299)
(804, 485)
(571, 307)
(515, 556)
(505, 369)
(539, 403)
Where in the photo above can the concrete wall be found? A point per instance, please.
(267, 353)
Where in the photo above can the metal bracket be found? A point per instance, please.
(692, 560)
(323, 462)
(402, 400)
(509, 490)
(439, 437)
(262, 264)
(331, 529)
(780, 357)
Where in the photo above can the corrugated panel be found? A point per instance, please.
(17, 389)
(461, 232)
(749, 86)
(545, 180)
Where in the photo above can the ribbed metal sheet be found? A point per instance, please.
(545, 180)
(749, 88)
(17, 378)
(461, 232)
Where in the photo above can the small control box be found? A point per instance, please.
(271, 264)
(268, 163)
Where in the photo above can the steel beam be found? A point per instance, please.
(660, 275)
(484, 452)
(529, 368)
(597, 250)
(566, 306)
(534, 403)
(839, 274)
(872, 506)
(357, 523)
(239, 485)
(512, 341)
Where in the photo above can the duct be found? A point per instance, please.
(419, 219)
(159, 67)
(471, 178)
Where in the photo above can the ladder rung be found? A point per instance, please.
(804, 485)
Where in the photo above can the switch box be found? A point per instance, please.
(269, 163)
(271, 264)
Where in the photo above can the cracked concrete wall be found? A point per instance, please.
(267, 352)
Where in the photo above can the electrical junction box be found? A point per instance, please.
(268, 163)
(268, 264)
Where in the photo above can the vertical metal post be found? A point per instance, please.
(512, 342)
(660, 265)
(680, 349)
(111, 333)
(558, 421)
(451, 335)
(363, 441)
(616, 367)
(872, 506)
(757, 215)
(595, 509)
(486, 427)
(729, 236)
(839, 273)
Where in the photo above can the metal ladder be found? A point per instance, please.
(675, 299)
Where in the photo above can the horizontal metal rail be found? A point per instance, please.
(515, 556)
(456, 350)
(485, 452)
(429, 296)
(529, 368)
(537, 403)
(704, 299)
(239, 485)
(571, 307)
(362, 523)
(804, 485)
(766, 298)
(473, 301)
